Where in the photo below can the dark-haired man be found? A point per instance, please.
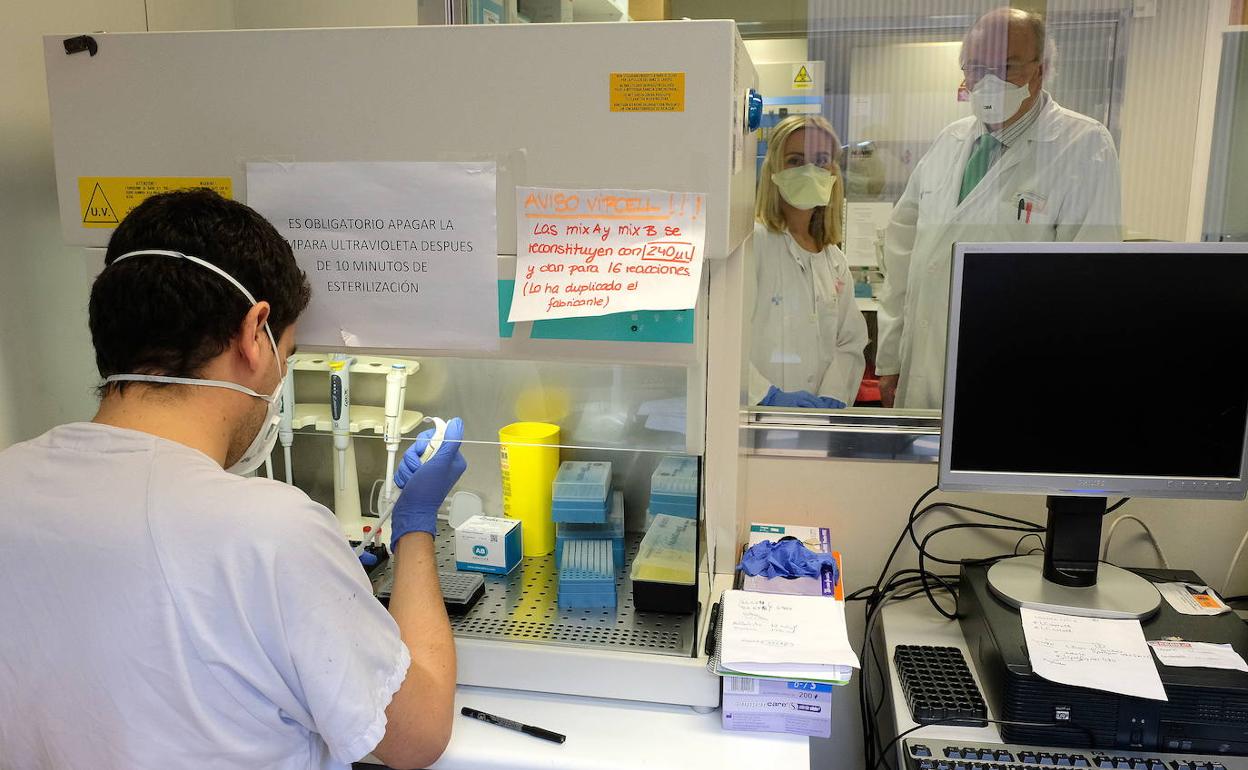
(159, 611)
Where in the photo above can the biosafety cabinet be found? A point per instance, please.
(132, 111)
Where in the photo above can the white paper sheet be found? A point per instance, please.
(794, 637)
(399, 255)
(1097, 653)
(1198, 655)
(863, 221)
(1204, 602)
(583, 253)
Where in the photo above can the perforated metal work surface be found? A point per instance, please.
(523, 607)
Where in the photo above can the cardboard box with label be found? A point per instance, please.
(487, 544)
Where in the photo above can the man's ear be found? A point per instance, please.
(252, 338)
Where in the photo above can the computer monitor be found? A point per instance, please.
(1081, 371)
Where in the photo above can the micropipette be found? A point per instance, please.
(340, 411)
(392, 431)
(435, 443)
(286, 419)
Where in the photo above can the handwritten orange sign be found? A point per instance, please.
(594, 252)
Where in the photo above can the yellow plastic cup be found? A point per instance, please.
(530, 459)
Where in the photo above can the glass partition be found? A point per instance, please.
(893, 129)
(955, 121)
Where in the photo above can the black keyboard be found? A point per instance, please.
(939, 686)
(939, 755)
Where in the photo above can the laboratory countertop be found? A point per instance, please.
(606, 735)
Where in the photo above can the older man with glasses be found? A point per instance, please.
(1021, 168)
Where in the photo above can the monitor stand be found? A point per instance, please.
(1069, 578)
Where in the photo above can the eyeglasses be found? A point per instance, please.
(1002, 71)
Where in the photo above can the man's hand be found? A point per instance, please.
(888, 389)
(425, 485)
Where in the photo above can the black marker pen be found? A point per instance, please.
(536, 732)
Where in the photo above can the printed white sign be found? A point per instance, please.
(399, 255)
(594, 252)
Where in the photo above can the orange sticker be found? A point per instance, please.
(647, 92)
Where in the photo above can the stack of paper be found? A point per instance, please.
(777, 636)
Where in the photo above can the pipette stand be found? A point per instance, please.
(364, 418)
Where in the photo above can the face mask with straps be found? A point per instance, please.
(262, 444)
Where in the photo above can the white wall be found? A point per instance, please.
(282, 14)
(1162, 136)
(181, 15)
(46, 363)
(777, 49)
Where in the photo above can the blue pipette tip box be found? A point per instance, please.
(587, 574)
(612, 530)
(580, 493)
(582, 482)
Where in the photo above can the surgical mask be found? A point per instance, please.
(262, 444)
(805, 187)
(995, 101)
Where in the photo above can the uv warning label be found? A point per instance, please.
(104, 201)
(647, 92)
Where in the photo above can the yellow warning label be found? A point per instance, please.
(105, 200)
(801, 78)
(647, 92)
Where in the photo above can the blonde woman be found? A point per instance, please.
(808, 334)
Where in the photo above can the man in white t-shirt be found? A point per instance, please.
(159, 611)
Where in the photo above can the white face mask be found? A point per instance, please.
(995, 101)
(805, 187)
(262, 444)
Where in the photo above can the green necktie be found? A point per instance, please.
(977, 165)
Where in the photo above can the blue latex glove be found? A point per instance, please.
(827, 402)
(416, 510)
(800, 398)
(786, 558)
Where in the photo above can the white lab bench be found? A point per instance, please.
(913, 621)
(606, 735)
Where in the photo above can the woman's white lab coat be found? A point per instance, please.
(806, 331)
(1058, 182)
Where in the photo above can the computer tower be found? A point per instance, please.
(1207, 710)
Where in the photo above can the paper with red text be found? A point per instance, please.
(593, 252)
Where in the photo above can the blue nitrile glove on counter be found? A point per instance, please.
(799, 398)
(425, 485)
(786, 558)
(803, 399)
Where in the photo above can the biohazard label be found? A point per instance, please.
(105, 200)
(801, 78)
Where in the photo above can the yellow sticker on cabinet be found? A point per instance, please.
(105, 200)
(801, 78)
(647, 92)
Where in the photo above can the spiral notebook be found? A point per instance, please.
(775, 636)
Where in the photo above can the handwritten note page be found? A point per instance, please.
(1097, 653)
(594, 252)
(798, 637)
